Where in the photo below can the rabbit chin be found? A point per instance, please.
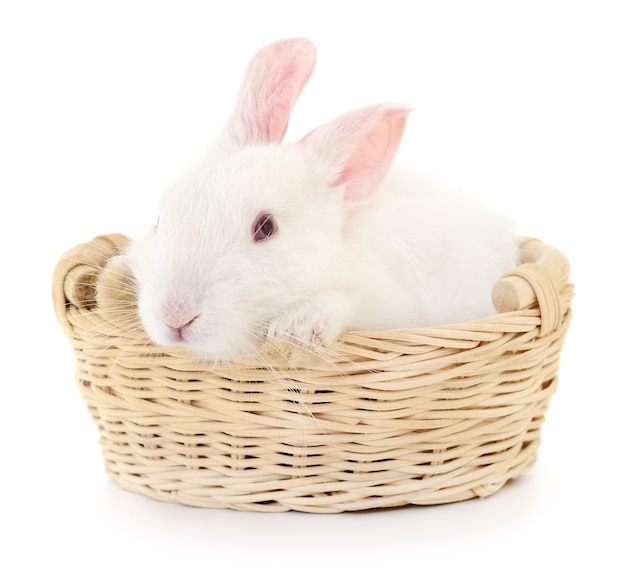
(204, 344)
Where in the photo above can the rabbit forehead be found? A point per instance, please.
(245, 180)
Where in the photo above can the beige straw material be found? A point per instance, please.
(399, 417)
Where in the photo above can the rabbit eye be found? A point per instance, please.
(264, 227)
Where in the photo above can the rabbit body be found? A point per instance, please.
(261, 240)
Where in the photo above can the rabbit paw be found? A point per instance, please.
(310, 323)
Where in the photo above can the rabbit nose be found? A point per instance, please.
(178, 319)
(178, 329)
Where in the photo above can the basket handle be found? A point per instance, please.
(539, 280)
(76, 274)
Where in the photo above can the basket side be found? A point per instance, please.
(402, 417)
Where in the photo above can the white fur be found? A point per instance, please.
(414, 253)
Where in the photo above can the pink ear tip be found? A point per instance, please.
(401, 115)
(396, 110)
(396, 118)
(302, 48)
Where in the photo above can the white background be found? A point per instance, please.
(102, 102)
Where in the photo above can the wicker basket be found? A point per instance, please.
(422, 416)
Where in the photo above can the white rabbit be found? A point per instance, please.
(301, 241)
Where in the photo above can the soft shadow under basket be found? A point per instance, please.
(423, 416)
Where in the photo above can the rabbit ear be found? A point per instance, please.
(359, 147)
(272, 83)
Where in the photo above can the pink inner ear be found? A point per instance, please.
(275, 77)
(371, 159)
(281, 102)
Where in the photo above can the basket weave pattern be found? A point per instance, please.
(401, 417)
